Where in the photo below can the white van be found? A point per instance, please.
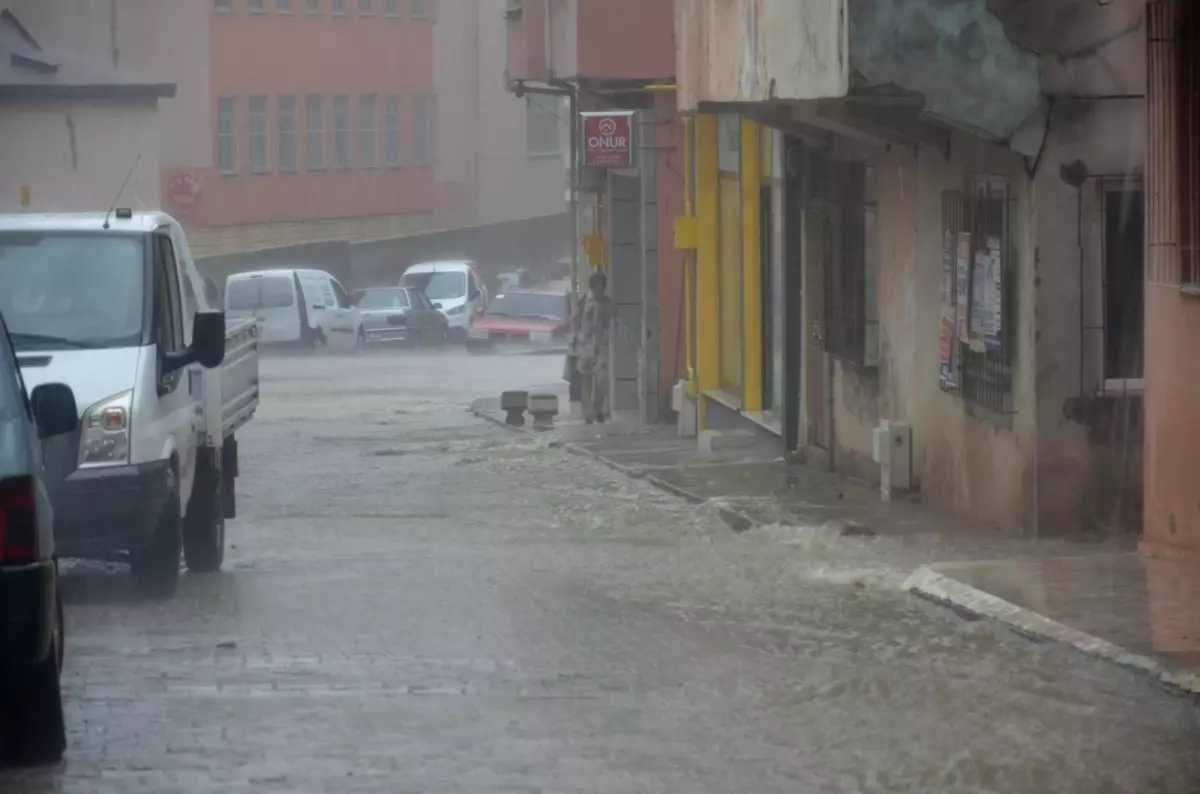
(292, 306)
(454, 287)
(113, 306)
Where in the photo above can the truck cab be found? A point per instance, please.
(113, 306)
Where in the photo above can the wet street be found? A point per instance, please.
(419, 601)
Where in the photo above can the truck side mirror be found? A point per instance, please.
(208, 338)
(54, 409)
(208, 344)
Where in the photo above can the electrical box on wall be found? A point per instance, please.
(892, 450)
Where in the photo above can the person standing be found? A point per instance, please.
(596, 316)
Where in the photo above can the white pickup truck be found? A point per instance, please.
(113, 306)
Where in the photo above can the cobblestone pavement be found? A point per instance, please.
(419, 601)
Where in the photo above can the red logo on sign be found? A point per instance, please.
(184, 190)
(608, 140)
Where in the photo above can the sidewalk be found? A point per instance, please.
(1101, 597)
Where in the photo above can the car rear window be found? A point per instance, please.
(266, 292)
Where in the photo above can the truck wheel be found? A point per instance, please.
(156, 567)
(204, 527)
(34, 730)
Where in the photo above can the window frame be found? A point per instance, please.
(261, 136)
(393, 143)
(287, 139)
(229, 136)
(368, 131)
(317, 136)
(547, 116)
(423, 133)
(343, 157)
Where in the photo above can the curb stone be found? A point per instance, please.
(737, 521)
(934, 586)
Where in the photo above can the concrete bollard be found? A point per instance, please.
(514, 403)
(543, 407)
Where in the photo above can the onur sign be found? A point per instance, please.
(608, 139)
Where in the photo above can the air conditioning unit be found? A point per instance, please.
(513, 8)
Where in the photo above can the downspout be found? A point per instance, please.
(548, 48)
(689, 262)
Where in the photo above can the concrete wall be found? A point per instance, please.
(74, 156)
(756, 50)
(625, 39)
(965, 459)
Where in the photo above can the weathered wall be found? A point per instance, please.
(965, 460)
(756, 50)
(74, 156)
(625, 39)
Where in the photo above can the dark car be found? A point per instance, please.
(31, 620)
(400, 314)
(523, 318)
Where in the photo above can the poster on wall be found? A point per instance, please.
(980, 319)
(949, 303)
(962, 283)
(995, 295)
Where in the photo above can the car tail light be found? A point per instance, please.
(18, 521)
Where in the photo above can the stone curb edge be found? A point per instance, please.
(738, 522)
(947, 591)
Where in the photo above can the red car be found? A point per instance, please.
(527, 318)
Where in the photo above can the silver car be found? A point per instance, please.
(400, 315)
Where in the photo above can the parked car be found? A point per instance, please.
(528, 318)
(454, 287)
(295, 306)
(400, 314)
(31, 617)
(114, 306)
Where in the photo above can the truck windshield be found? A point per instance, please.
(65, 290)
(446, 285)
(265, 292)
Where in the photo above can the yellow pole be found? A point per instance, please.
(752, 336)
(689, 261)
(708, 332)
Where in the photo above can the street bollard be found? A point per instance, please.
(514, 403)
(543, 407)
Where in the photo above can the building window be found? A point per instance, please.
(314, 130)
(1121, 314)
(541, 124)
(339, 7)
(394, 137)
(221, 5)
(978, 294)
(368, 136)
(365, 7)
(283, 6)
(254, 6)
(422, 112)
(260, 131)
(289, 153)
(391, 7)
(341, 131)
(312, 6)
(227, 154)
(419, 11)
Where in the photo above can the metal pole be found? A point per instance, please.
(574, 179)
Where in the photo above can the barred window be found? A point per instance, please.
(227, 150)
(541, 125)
(368, 144)
(394, 124)
(341, 131)
(979, 280)
(422, 112)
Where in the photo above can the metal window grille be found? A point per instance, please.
(365, 7)
(283, 6)
(837, 193)
(983, 344)
(541, 125)
(391, 7)
(422, 112)
(312, 6)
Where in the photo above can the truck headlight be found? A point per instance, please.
(455, 310)
(104, 434)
